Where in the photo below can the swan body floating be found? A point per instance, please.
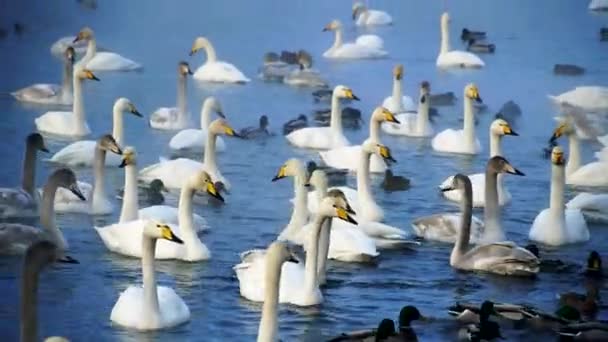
(367, 46)
(70, 124)
(413, 124)
(592, 99)
(151, 307)
(397, 102)
(43, 93)
(598, 5)
(369, 17)
(194, 139)
(556, 225)
(324, 138)
(593, 206)
(82, 153)
(498, 129)
(448, 58)
(102, 60)
(170, 118)
(214, 70)
(461, 141)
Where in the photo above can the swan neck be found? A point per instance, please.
(323, 251)
(374, 130)
(558, 180)
(28, 174)
(495, 144)
(397, 94)
(99, 192)
(209, 159)
(210, 51)
(181, 99)
(130, 205)
(312, 256)
(29, 300)
(300, 209)
(338, 38)
(363, 188)
(117, 125)
(91, 51)
(574, 160)
(445, 38)
(462, 244)
(268, 329)
(184, 212)
(78, 106)
(47, 214)
(493, 230)
(422, 119)
(336, 115)
(206, 116)
(66, 83)
(469, 122)
(151, 306)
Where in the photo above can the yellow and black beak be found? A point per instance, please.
(509, 131)
(350, 95)
(192, 52)
(280, 174)
(385, 153)
(327, 28)
(342, 214)
(168, 234)
(557, 158)
(350, 210)
(77, 39)
(389, 116)
(91, 76)
(123, 163)
(231, 132)
(559, 131)
(212, 190)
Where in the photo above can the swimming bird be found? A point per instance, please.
(171, 118)
(397, 102)
(394, 183)
(591, 99)
(568, 69)
(467, 34)
(448, 58)
(486, 330)
(102, 60)
(479, 47)
(364, 16)
(191, 139)
(214, 70)
(414, 124)
(367, 46)
(256, 132)
(351, 117)
(294, 124)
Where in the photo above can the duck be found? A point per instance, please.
(174, 172)
(369, 17)
(397, 102)
(151, 307)
(604, 34)
(598, 5)
(23, 201)
(325, 138)
(367, 46)
(82, 153)
(568, 69)
(461, 141)
(348, 157)
(122, 237)
(38, 256)
(585, 304)
(53, 94)
(304, 75)
(351, 117)
(466, 34)
(591, 99)
(414, 124)
(68, 124)
(548, 265)
(294, 124)
(251, 133)
(392, 183)
(475, 46)
(448, 58)
(556, 225)
(15, 238)
(498, 129)
(194, 139)
(335, 177)
(486, 330)
(214, 70)
(443, 99)
(274, 68)
(299, 283)
(173, 118)
(102, 60)
(97, 202)
(509, 111)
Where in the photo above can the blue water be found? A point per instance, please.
(76, 301)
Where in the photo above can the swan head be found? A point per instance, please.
(36, 141)
(345, 93)
(199, 43)
(125, 105)
(202, 181)
(398, 71)
(215, 106)
(129, 157)
(358, 8)
(501, 127)
(85, 74)
(318, 178)
(445, 19)
(70, 54)
(382, 114)
(66, 178)
(557, 156)
(107, 143)
(341, 200)
(330, 207)
(292, 167)
(86, 33)
(333, 26)
(407, 315)
(459, 182)
(472, 92)
(221, 126)
(379, 149)
(498, 164)
(158, 230)
(280, 252)
(43, 253)
(183, 69)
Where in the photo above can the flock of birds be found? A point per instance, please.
(332, 221)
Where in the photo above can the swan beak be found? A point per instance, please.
(44, 149)
(350, 210)
(293, 259)
(350, 95)
(231, 132)
(116, 149)
(447, 188)
(168, 234)
(509, 131)
(343, 215)
(307, 184)
(76, 191)
(514, 171)
(385, 153)
(221, 114)
(559, 131)
(389, 117)
(123, 163)
(280, 174)
(77, 39)
(326, 28)
(212, 190)
(192, 52)
(68, 260)
(478, 99)
(135, 112)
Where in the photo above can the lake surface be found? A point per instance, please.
(531, 36)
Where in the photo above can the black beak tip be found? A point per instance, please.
(276, 178)
(176, 239)
(294, 260)
(479, 100)
(307, 185)
(45, 150)
(356, 98)
(68, 260)
(137, 113)
(219, 197)
(352, 220)
(221, 114)
(514, 133)
(397, 121)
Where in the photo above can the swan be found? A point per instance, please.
(72, 124)
(189, 139)
(44, 93)
(213, 70)
(461, 141)
(96, 203)
(498, 129)
(414, 124)
(365, 47)
(38, 256)
(122, 237)
(368, 17)
(259, 132)
(275, 68)
(505, 258)
(557, 225)
(593, 206)
(15, 238)
(347, 157)
(151, 307)
(324, 138)
(299, 283)
(448, 58)
(277, 256)
(82, 153)
(173, 172)
(591, 99)
(170, 118)
(102, 60)
(397, 102)
(61, 44)
(299, 216)
(23, 201)
(598, 5)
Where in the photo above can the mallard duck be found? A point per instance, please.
(256, 132)
(486, 330)
(594, 265)
(479, 47)
(467, 34)
(586, 304)
(351, 117)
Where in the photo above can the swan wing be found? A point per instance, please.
(40, 93)
(220, 72)
(320, 138)
(349, 243)
(406, 105)
(576, 226)
(592, 174)
(170, 214)
(590, 98)
(60, 123)
(168, 118)
(347, 157)
(188, 139)
(588, 201)
(375, 17)
(370, 41)
(356, 51)
(79, 153)
(446, 227)
(172, 172)
(453, 141)
(459, 59)
(110, 61)
(15, 238)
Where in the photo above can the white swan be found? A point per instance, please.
(97, 202)
(369, 17)
(498, 129)
(213, 70)
(151, 307)
(15, 238)
(598, 5)
(414, 124)
(61, 44)
(171, 118)
(505, 258)
(299, 283)
(593, 206)
(102, 60)
(72, 124)
(592, 99)
(23, 201)
(556, 225)
(462, 140)
(448, 58)
(397, 102)
(366, 46)
(189, 139)
(122, 237)
(82, 153)
(174, 172)
(44, 93)
(324, 138)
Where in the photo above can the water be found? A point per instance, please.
(76, 301)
